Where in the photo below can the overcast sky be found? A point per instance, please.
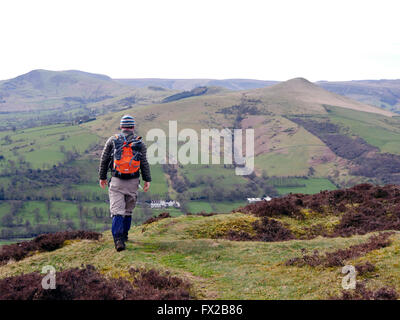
(268, 40)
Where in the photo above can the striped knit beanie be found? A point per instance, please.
(127, 121)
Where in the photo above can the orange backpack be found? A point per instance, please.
(126, 158)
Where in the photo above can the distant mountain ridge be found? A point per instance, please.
(43, 89)
(379, 93)
(189, 84)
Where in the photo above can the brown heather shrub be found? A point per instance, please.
(267, 230)
(272, 230)
(162, 215)
(240, 236)
(364, 208)
(364, 268)
(154, 286)
(338, 257)
(88, 284)
(362, 293)
(203, 214)
(43, 242)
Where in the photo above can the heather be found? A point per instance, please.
(339, 257)
(88, 284)
(361, 209)
(361, 292)
(42, 243)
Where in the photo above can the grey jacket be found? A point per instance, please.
(107, 159)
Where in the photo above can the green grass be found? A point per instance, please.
(60, 211)
(226, 176)
(41, 145)
(218, 207)
(199, 206)
(312, 185)
(226, 206)
(379, 131)
(158, 184)
(4, 208)
(11, 241)
(292, 161)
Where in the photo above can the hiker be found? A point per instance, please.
(125, 155)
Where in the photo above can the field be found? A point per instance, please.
(43, 147)
(378, 131)
(311, 185)
(11, 241)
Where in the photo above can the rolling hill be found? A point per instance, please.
(383, 94)
(189, 84)
(41, 89)
(43, 97)
(380, 93)
(282, 146)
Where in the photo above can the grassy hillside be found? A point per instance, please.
(218, 268)
(43, 97)
(42, 89)
(383, 94)
(380, 93)
(282, 147)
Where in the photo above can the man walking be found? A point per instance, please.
(125, 155)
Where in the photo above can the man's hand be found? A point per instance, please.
(103, 183)
(146, 186)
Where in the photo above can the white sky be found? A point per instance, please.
(269, 40)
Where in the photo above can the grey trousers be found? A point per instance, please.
(123, 196)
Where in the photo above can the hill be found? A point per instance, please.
(41, 89)
(380, 93)
(215, 257)
(308, 97)
(189, 84)
(383, 94)
(43, 97)
(282, 146)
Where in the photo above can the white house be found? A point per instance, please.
(159, 204)
(254, 200)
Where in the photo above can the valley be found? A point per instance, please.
(48, 169)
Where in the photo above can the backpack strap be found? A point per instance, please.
(118, 145)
